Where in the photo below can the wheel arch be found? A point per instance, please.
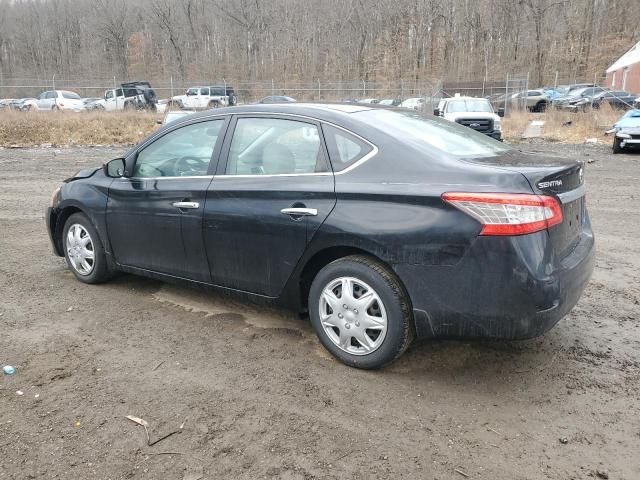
(325, 256)
(61, 219)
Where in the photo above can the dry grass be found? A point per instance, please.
(563, 126)
(125, 128)
(68, 128)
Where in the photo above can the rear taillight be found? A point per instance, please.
(508, 213)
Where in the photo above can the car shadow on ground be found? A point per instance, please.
(444, 360)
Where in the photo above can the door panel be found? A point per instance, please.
(251, 244)
(155, 222)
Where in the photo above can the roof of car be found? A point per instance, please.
(297, 108)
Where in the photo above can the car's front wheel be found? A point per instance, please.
(617, 145)
(83, 250)
(360, 312)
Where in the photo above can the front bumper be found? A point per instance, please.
(497, 134)
(51, 219)
(504, 287)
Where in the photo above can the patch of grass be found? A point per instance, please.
(563, 126)
(70, 128)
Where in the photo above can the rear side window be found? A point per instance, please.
(344, 149)
(274, 146)
(70, 95)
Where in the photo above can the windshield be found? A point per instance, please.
(426, 131)
(471, 105)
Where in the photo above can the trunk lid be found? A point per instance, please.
(557, 177)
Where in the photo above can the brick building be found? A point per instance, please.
(624, 74)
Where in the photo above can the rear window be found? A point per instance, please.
(344, 149)
(70, 95)
(428, 132)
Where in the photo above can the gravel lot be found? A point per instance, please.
(260, 398)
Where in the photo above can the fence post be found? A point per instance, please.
(401, 89)
(273, 88)
(506, 93)
(171, 85)
(555, 83)
(364, 89)
(53, 81)
(319, 90)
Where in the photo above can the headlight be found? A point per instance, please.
(623, 135)
(54, 197)
(497, 125)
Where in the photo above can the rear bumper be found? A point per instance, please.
(504, 287)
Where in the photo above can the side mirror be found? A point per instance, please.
(114, 168)
(436, 112)
(501, 112)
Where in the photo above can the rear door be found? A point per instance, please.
(154, 216)
(271, 192)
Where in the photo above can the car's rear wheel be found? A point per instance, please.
(214, 104)
(617, 147)
(360, 312)
(83, 250)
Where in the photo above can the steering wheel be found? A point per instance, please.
(191, 165)
(142, 170)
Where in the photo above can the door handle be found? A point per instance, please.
(185, 204)
(302, 212)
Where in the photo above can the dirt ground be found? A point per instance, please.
(258, 396)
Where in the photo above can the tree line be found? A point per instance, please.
(304, 40)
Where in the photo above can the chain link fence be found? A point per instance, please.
(508, 92)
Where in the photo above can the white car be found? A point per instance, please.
(472, 112)
(205, 97)
(416, 103)
(58, 100)
(369, 100)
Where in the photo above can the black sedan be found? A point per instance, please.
(384, 225)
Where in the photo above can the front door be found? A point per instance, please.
(266, 202)
(154, 216)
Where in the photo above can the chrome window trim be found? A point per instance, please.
(190, 177)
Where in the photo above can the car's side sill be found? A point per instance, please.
(165, 277)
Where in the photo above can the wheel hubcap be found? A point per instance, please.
(353, 315)
(80, 249)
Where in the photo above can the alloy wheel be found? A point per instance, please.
(353, 316)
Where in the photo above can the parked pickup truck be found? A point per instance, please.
(205, 97)
(472, 112)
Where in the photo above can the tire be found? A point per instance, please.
(616, 145)
(214, 104)
(378, 300)
(541, 107)
(55, 108)
(75, 247)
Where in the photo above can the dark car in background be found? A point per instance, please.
(384, 225)
(574, 94)
(618, 100)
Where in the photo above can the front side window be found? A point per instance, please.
(204, 91)
(185, 151)
(273, 146)
(344, 149)
(192, 91)
(108, 95)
